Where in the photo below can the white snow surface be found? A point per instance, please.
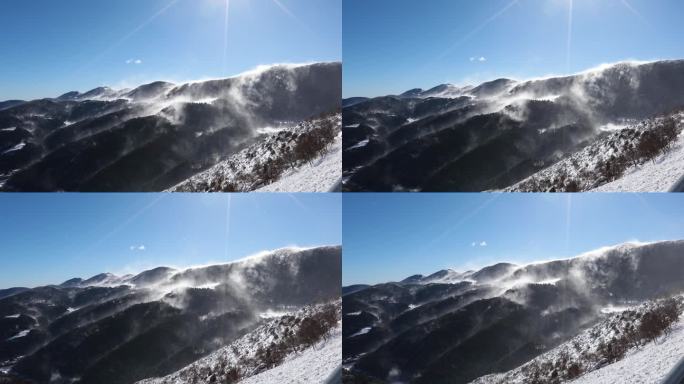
(321, 176)
(647, 365)
(314, 365)
(650, 176)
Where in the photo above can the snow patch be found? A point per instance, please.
(270, 314)
(15, 148)
(363, 331)
(613, 309)
(20, 335)
(361, 144)
(610, 127)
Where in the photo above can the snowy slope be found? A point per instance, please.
(580, 171)
(321, 176)
(651, 177)
(647, 365)
(243, 354)
(313, 366)
(240, 172)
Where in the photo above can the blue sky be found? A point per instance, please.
(391, 46)
(49, 238)
(388, 237)
(50, 47)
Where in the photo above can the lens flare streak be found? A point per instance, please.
(225, 36)
(568, 45)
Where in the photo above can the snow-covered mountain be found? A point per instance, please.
(453, 327)
(157, 135)
(122, 329)
(501, 132)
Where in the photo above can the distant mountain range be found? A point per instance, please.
(454, 327)
(157, 135)
(122, 329)
(498, 133)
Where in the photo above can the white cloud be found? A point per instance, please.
(483, 244)
(478, 244)
(137, 247)
(481, 59)
(133, 61)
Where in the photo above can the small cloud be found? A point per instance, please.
(482, 59)
(478, 244)
(137, 248)
(473, 244)
(483, 244)
(133, 61)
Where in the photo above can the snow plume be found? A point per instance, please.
(585, 275)
(242, 280)
(248, 94)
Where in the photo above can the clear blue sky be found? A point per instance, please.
(49, 238)
(388, 237)
(393, 45)
(49, 47)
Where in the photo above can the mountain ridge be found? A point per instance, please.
(171, 318)
(453, 327)
(158, 134)
(493, 135)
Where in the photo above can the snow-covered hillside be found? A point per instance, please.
(638, 344)
(314, 365)
(273, 352)
(320, 176)
(615, 163)
(658, 176)
(647, 365)
(279, 162)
